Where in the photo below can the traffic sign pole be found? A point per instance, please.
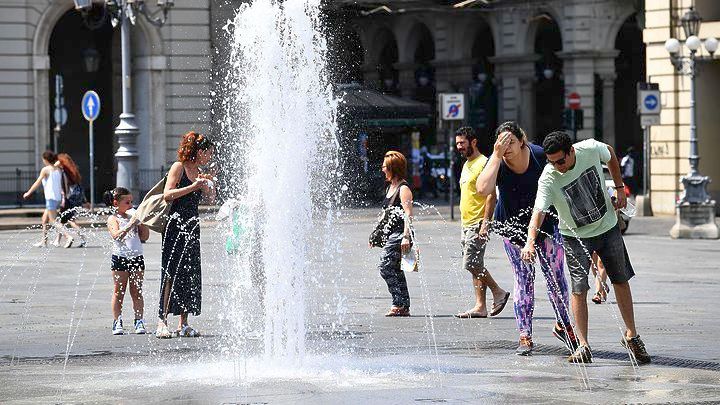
(92, 168)
(91, 110)
(452, 108)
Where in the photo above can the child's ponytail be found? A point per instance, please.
(108, 198)
(111, 195)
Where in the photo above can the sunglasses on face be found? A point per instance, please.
(558, 162)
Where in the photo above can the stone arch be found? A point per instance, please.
(613, 29)
(468, 33)
(548, 86)
(151, 60)
(420, 43)
(378, 39)
(41, 68)
(535, 22)
(629, 70)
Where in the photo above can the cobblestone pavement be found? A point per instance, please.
(55, 302)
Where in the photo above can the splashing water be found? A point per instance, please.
(280, 159)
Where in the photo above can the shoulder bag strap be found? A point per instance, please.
(397, 192)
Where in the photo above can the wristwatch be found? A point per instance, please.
(622, 186)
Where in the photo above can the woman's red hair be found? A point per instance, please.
(396, 164)
(70, 168)
(190, 144)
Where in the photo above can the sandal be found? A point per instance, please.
(599, 297)
(499, 306)
(398, 311)
(471, 314)
(163, 332)
(187, 331)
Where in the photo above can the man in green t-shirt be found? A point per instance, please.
(573, 183)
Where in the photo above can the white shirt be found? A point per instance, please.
(628, 166)
(131, 245)
(52, 185)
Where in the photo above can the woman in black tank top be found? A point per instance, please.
(398, 196)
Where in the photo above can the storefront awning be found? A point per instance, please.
(371, 108)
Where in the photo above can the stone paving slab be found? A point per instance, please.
(54, 299)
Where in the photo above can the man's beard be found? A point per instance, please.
(469, 151)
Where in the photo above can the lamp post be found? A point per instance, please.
(695, 208)
(124, 13)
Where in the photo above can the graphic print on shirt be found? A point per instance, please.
(586, 198)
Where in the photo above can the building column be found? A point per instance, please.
(579, 73)
(526, 114)
(41, 80)
(406, 78)
(608, 96)
(453, 75)
(516, 89)
(371, 76)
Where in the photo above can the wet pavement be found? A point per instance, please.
(56, 346)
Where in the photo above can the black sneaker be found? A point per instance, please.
(567, 336)
(581, 355)
(525, 346)
(637, 348)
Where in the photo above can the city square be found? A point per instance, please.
(430, 357)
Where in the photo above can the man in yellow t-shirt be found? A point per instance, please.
(476, 211)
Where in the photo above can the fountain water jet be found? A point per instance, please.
(280, 157)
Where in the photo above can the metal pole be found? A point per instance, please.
(451, 170)
(646, 161)
(694, 158)
(126, 131)
(92, 168)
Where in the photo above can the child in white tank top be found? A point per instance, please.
(127, 263)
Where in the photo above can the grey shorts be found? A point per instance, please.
(473, 249)
(609, 246)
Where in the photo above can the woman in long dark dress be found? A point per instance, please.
(181, 282)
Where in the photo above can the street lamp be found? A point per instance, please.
(91, 57)
(694, 183)
(695, 201)
(124, 13)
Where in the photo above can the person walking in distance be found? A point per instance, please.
(51, 180)
(515, 167)
(627, 164)
(73, 195)
(573, 183)
(476, 212)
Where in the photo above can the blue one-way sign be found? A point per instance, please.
(650, 101)
(91, 105)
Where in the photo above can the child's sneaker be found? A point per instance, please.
(117, 328)
(140, 327)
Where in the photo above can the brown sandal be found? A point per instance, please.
(398, 311)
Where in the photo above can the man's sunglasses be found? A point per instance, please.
(558, 162)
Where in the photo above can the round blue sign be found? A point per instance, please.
(90, 105)
(651, 102)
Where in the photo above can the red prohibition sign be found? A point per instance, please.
(574, 101)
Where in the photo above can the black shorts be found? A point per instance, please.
(68, 215)
(130, 264)
(610, 246)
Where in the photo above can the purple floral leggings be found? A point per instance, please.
(551, 255)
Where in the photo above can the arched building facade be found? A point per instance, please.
(170, 82)
(531, 54)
